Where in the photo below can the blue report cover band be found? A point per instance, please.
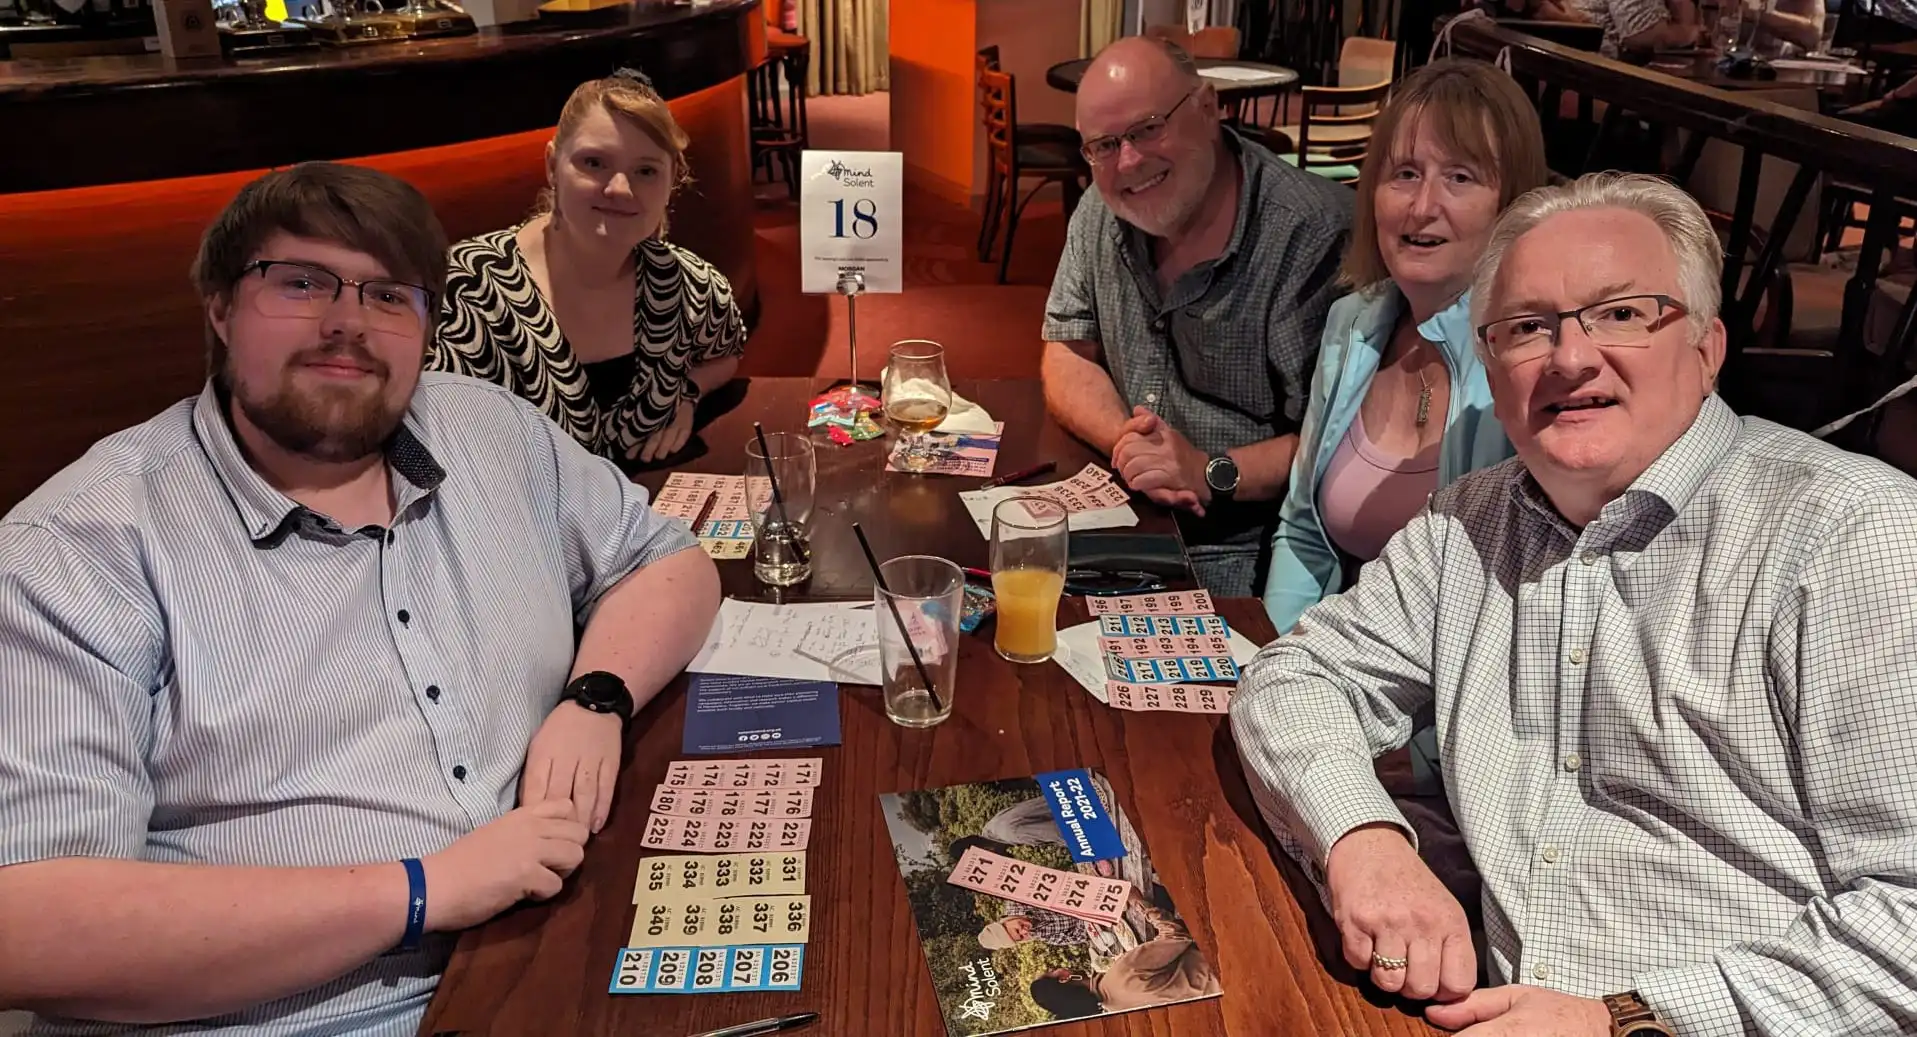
(1081, 817)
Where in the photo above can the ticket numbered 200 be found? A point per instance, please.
(707, 970)
(705, 835)
(722, 923)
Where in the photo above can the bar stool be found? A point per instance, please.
(1016, 151)
(779, 127)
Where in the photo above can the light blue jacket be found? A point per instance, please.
(1304, 564)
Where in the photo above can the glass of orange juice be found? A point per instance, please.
(1029, 536)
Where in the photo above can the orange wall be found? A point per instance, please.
(934, 105)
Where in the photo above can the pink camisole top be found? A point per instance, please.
(1368, 494)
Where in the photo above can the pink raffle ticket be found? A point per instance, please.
(1166, 646)
(742, 774)
(708, 835)
(1169, 603)
(1175, 698)
(1091, 897)
(731, 803)
(1090, 490)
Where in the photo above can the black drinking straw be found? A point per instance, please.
(879, 578)
(778, 500)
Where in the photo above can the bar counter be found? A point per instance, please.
(111, 166)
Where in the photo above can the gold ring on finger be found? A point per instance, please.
(1387, 964)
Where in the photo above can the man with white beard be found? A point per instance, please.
(1184, 320)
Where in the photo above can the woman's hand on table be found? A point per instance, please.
(671, 439)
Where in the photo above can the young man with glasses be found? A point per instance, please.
(295, 681)
(1673, 656)
(1184, 320)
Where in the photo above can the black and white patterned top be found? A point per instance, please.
(496, 325)
(1678, 741)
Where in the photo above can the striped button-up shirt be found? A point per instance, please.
(1681, 742)
(200, 670)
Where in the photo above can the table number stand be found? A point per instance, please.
(852, 285)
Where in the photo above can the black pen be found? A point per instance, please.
(1037, 469)
(775, 1025)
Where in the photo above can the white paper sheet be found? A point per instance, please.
(1237, 74)
(835, 641)
(1078, 653)
(979, 504)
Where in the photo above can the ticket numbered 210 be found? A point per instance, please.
(707, 970)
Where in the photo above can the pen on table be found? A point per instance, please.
(704, 510)
(774, 1025)
(980, 574)
(1026, 473)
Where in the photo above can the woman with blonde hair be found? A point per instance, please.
(586, 309)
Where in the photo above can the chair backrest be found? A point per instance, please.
(1364, 61)
(1342, 116)
(998, 108)
(988, 57)
(1219, 41)
(1170, 34)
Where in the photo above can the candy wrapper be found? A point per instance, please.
(979, 603)
(846, 412)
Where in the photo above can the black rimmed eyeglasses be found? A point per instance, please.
(1100, 150)
(305, 291)
(1628, 320)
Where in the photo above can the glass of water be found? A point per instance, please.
(1827, 35)
(923, 595)
(781, 546)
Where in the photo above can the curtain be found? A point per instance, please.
(850, 54)
(1099, 22)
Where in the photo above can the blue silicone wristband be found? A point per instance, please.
(415, 904)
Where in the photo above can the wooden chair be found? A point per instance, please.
(1334, 130)
(1362, 61)
(1015, 153)
(1219, 41)
(779, 128)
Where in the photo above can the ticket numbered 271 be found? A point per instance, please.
(707, 970)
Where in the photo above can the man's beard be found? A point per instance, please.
(1179, 198)
(334, 424)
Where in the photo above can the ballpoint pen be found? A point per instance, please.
(1026, 473)
(774, 1025)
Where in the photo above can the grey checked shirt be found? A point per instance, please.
(1226, 357)
(1681, 743)
(199, 670)
(1623, 19)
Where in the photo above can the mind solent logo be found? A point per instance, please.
(981, 990)
(850, 176)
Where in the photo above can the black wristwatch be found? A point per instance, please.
(1631, 1017)
(1221, 474)
(600, 692)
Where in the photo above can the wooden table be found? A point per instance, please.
(901, 513)
(542, 970)
(1277, 79)
(1701, 67)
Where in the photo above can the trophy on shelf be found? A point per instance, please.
(246, 30)
(428, 18)
(349, 23)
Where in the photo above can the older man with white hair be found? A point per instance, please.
(1673, 656)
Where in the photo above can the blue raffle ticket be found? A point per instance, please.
(1162, 626)
(707, 970)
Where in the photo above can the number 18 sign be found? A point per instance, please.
(849, 218)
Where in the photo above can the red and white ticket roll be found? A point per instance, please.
(1165, 646)
(700, 835)
(1091, 897)
(1172, 698)
(1164, 603)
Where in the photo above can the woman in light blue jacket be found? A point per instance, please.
(1399, 405)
